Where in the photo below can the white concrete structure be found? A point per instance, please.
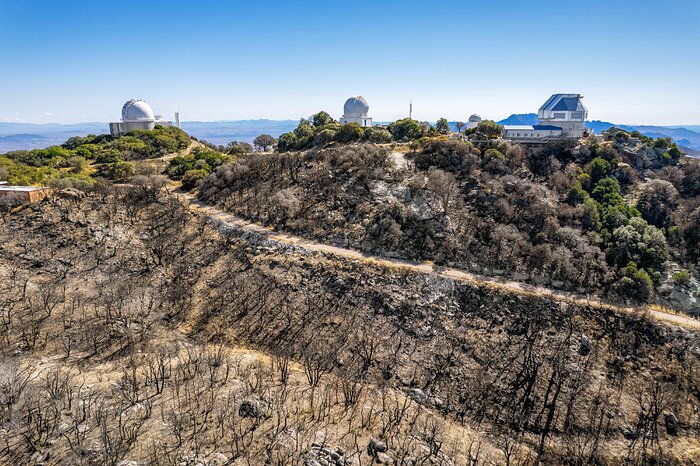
(473, 122)
(562, 116)
(355, 111)
(535, 133)
(567, 112)
(137, 114)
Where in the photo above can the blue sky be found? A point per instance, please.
(69, 61)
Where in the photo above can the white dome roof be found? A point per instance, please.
(137, 110)
(355, 106)
(475, 118)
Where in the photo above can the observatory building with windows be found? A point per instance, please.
(355, 110)
(137, 114)
(562, 116)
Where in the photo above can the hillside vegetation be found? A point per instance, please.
(611, 218)
(135, 330)
(80, 160)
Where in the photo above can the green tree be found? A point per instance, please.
(325, 136)
(321, 119)
(405, 130)
(287, 142)
(117, 171)
(674, 152)
(238, 148)
(264, 142)
(377, 135)
(350, 132)
(639, 242)
(576, 195)
(599, 168)
(442, 126)
(494, 153)
(489, 129)
(191, 178)
(636, 283)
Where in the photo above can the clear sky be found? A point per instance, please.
(70, 61)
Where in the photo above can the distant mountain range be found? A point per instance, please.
(15, 136)
(685, 136)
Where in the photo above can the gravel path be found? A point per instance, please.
(422, 267)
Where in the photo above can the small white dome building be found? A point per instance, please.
(355, 110)
(137, 114)
(473, 121)
(137, 110)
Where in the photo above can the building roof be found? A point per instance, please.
(532, 128)
(475, 118)
(137, 110)
(519, 127)
(564, 102)
(5, 187)
(355, 106)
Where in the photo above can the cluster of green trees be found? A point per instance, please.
(39, 166)
(195, 166)
(80, 159)
(321, 129)
(634, 237)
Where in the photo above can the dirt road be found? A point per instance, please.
(455, 274)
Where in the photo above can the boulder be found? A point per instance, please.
(671, 424)
(249, 408)
(629, 432)
(376, 446)
(585, 346)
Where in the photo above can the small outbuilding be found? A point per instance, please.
(16, 195)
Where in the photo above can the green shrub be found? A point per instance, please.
(191, 178)
(682, 278)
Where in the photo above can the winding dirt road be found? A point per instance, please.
(427, 268)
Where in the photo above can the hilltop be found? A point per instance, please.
(143, 326)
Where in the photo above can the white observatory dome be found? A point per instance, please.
(474, 118)
(137, 110)
(355, 107)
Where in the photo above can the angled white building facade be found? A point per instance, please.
(561, 116)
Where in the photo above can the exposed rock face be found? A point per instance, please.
(325, 456)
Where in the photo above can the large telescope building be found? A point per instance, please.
(137, 114)
(561, 116)
(355, 110)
